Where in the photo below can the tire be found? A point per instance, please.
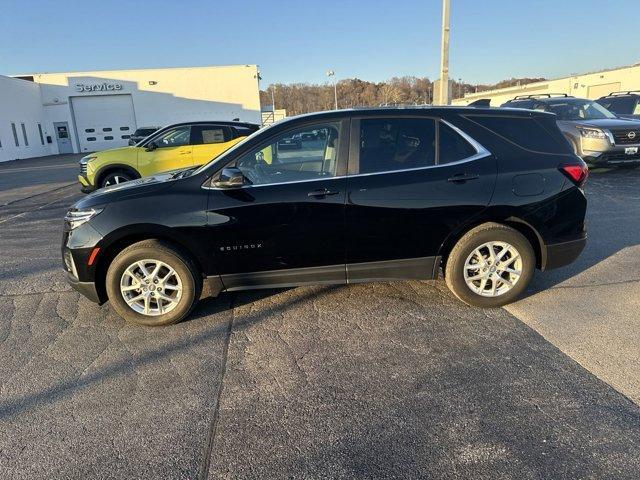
(521, 257)
(184, 287)
(115, 177)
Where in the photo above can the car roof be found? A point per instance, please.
(215, 122)
(426, 111)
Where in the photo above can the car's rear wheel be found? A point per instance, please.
(152, 283)
(490, 266)
(115, 177)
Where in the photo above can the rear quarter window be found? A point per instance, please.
(525, 132)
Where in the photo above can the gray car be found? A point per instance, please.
(597, 135)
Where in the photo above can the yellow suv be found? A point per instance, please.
(177, 146)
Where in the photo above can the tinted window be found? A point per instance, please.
(525, 132)
(144, 132)
(305, 154)
(622, 105)
(452, 146)
(519, 104)
(396, 144)
(206, 134)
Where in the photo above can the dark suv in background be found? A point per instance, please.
(596, 135)
(142, 133)
(623, 104)
(488, 195)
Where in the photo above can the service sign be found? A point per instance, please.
(98, 87)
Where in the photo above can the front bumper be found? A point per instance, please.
(87, 289)
(85, 184)
(564, 253)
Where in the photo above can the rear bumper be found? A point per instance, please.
(87, 289)
(561, 254)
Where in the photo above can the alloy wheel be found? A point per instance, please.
(493, 269)
(151, 287)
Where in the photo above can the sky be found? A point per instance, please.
(298, 41)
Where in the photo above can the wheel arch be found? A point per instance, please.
(118, 241)
(518, 224)
(114, 167)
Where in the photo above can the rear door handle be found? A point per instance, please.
(463, 177)
(323, 192)
(185, 152)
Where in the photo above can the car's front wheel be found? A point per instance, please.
(152, 283)
(115, 177)
(490, 266)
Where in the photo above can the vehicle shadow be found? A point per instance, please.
(613, 224)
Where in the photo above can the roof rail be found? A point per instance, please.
(540, 95)
(628, 92)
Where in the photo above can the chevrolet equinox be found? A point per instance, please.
(486, 195)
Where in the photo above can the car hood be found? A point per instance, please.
(609, 123)
(139, 186)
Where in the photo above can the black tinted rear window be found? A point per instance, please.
(526, 132)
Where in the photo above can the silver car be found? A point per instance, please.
(597, 135)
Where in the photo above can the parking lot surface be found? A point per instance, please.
(385, 380)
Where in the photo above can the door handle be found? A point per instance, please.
(183, 152)
(323, 192)
(463, 177)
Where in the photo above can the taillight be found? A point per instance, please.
(577, 173)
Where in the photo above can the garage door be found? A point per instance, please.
(103, 121)
(597, 91)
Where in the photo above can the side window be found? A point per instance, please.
(206, 134)
(636, 109)
(305, 154)
(525, 132)
(391, 144)
(175, 137)
(452, 147)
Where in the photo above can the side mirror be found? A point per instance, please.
(230, 177)
(151, 146)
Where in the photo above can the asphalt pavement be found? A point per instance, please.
(383, 380)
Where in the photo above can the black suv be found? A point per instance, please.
(488, 195)
(623, 104)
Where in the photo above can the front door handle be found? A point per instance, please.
(185, 152)
(463, 177)
(323, 192)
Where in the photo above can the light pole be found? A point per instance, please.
(331, 73)
(273, 100)
(444, 56)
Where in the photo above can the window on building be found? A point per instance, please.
(107, 129)
(15, 134)
(41, 134)
(124, 129)
(125, 137)
(108, 137)
(91, 139)
(89, 130)
(24, 135)
(393, 144)
(452, 147)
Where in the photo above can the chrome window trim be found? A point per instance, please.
(481, 152)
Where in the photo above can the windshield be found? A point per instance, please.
(578, 109)
(223, 156)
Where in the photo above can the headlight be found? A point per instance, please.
(87, 159)
(75, 218)
(592, 132)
